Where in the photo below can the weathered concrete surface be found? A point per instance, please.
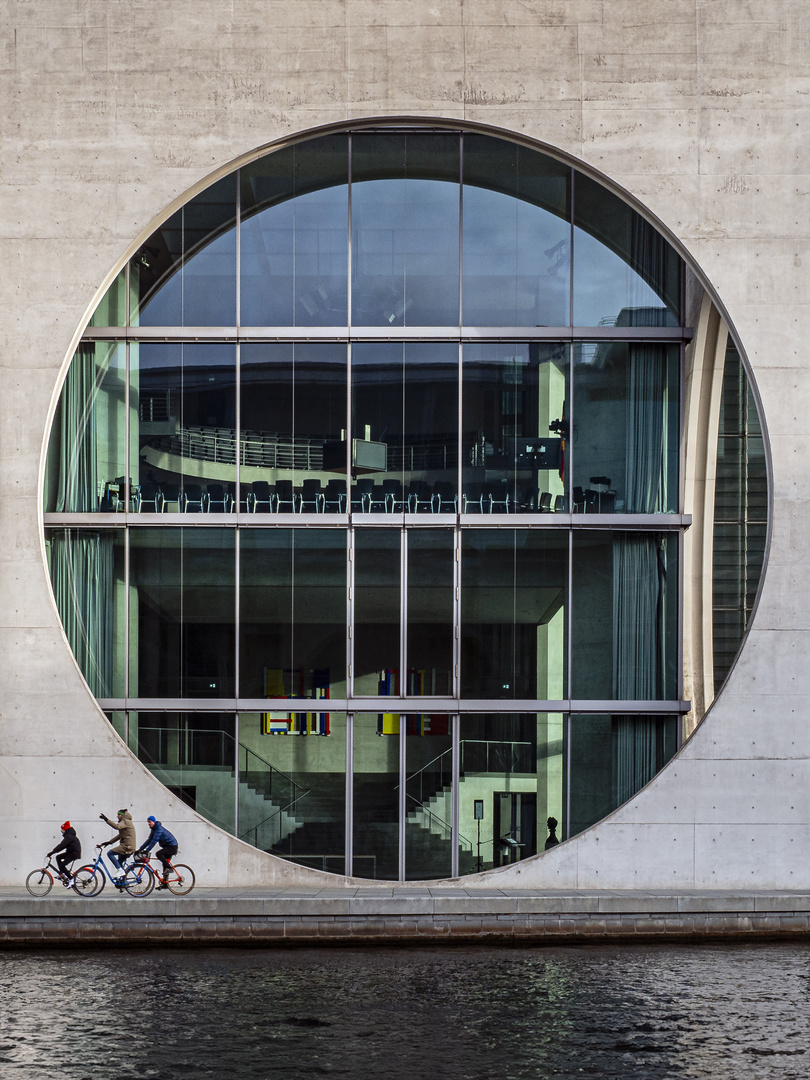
(114, 111)
(395, 915)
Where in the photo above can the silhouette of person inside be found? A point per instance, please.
(552, 833)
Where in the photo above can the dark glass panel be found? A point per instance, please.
(430, 611)
(86, 467)
(293, 416)
(182, 599)
(183, 427)
(292, 613)
(513, 620)
(292, 790)
(87, 575)
(624, 610)
(517, 236)
(429, 800)
(376, 796)
(613, 757)
(377, 562)
(295, 221)
(499, 769)
(625, 433)
(185, 273)
(625, 272)
(194, 755)
(405, 427)
(405, 230)
(514, 428)
(740, 513)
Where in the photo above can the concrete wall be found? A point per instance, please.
(113, 110)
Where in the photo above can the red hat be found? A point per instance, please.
(65, 826)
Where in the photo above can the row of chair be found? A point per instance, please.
(313, 497)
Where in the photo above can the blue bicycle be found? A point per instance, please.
(137, 878)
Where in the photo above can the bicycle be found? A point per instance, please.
(181, 878)
(138, 879)
(40, 882)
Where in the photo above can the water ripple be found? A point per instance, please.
(723, 1012)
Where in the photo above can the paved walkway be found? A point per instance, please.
(419, 915)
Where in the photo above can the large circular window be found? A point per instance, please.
(363, 507)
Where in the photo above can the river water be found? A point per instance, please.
(725, 1012)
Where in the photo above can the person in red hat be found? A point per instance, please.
(69, 849)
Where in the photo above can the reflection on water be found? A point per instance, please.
(719, 1011)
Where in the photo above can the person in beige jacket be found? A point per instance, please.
(126, 839)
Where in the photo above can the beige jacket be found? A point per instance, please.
(126, 829)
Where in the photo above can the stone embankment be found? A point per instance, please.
(400, 914)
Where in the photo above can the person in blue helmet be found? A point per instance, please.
(159, 834)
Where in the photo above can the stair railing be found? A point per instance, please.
(434, 819)
(287, 790)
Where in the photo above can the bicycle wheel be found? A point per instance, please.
(182, 880)
(87, 881)
(139, 880)
(39, 882)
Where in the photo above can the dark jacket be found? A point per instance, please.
(159, 835)
(71, 845)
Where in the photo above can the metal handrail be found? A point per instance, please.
(277, 813)
(435, 817)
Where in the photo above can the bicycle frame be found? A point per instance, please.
(42, 884)
(180, 884)
(137, 870)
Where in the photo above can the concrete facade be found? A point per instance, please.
(114, 113)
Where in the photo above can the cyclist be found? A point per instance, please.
(70, 849)
(159, 834)
(126, 841)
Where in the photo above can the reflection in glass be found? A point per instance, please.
(181, 625)
(112, 310)
(513, 441)
(194, 755)
(624, 616)
(430, 611)
(87, 449)
(516, 236)
(625, 272)
(513, 621)
(376, 633)
(183, 427)
(405, 427)
(292, 790)
(405, 229)
(292, 598)
(429, 800)
(295, 218)
(185, 273)
(740, 514)
(293, 428)
(613, 757)
(87, 575)
(375, 791)
(625, 434)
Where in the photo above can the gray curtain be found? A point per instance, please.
(82, 570)
(647, 430)
(77, 484)
(639, 655)
(640, 753)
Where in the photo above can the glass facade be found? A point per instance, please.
(386, 421)
(740, 514)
